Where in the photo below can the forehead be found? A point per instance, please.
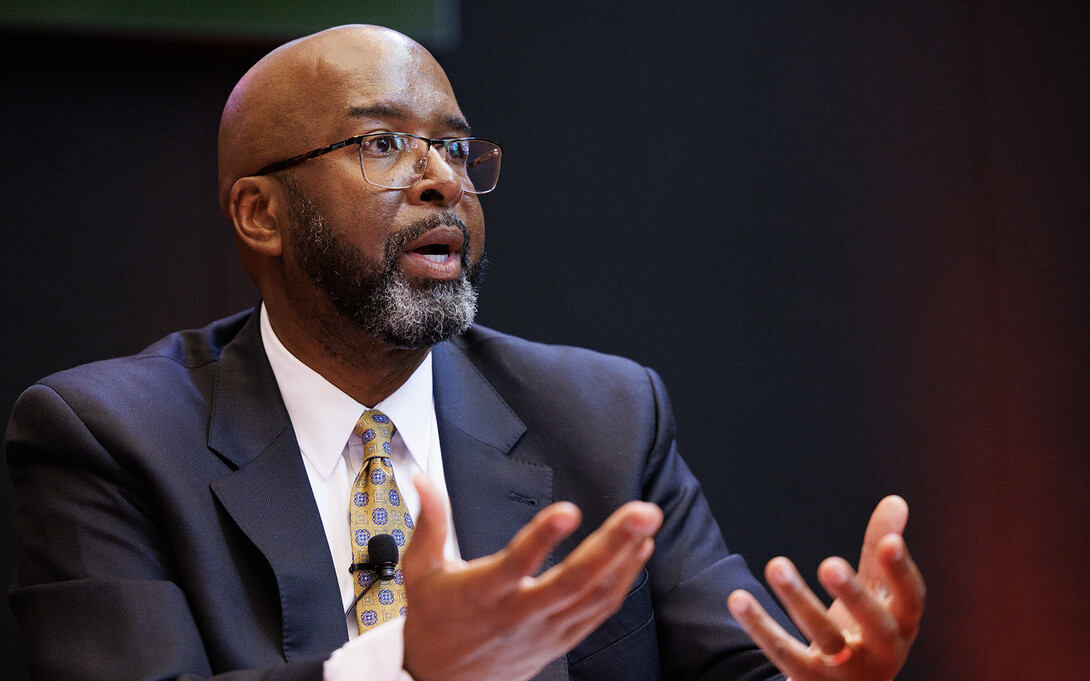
(385, 81)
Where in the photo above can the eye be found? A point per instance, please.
(457, 150)
(383, 144)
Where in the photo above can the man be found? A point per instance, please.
(198, 509)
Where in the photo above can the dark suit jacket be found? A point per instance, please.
(166, 527)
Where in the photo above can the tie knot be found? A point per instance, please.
(375, 429)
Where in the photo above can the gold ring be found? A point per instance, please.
(844, 654)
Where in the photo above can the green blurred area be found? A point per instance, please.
(432, 22)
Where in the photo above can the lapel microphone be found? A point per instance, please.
(382, 558)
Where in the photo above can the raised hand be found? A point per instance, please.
(866, 634)
(492, 618)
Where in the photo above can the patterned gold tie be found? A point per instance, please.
(377, 507)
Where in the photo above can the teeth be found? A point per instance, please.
(434, 257)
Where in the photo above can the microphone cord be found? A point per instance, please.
(361, 595)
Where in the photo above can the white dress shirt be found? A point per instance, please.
(323, 418)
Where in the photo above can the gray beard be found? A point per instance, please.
(375, 296)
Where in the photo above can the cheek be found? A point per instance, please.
(358, 212)
(474, 219)
(369, 224)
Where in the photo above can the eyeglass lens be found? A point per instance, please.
(396, 161)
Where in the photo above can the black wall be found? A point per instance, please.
(852, 237)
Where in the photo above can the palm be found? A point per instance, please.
(867, 631)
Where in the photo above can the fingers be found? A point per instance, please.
(510, 620)
(888, 572)
(532, 544)
(869, 628)
(585, 615)
(805, 609)
(598, 603)
(788, 654)
(905, 583)
(603, 565)
(875, 621)
(889, 517)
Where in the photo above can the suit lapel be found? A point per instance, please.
(492, 493)
(269, 496)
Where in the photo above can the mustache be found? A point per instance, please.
(396, 243)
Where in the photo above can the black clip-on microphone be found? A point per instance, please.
(382, 555)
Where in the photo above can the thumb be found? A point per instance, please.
(425, 549)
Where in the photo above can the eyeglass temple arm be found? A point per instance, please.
(483, 158)
(296, 160)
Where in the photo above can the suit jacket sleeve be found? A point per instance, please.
(679, 607)
(603, 429)
(96, 591)
(695, 572)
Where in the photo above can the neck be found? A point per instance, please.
(359, 365)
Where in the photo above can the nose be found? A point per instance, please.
(440, 185)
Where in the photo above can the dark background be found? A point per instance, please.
(852, 237)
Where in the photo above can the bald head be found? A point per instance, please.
(304, 94)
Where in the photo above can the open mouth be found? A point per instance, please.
(436, 253)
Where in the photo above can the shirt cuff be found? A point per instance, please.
(376, 655)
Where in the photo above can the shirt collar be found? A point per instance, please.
(323, 416)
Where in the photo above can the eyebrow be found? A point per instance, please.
(386, 110)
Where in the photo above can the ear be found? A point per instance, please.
(258, 213)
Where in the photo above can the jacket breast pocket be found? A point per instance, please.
(625, 646)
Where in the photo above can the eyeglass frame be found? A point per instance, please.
(356, 139)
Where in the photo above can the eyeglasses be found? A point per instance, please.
(397, 160)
